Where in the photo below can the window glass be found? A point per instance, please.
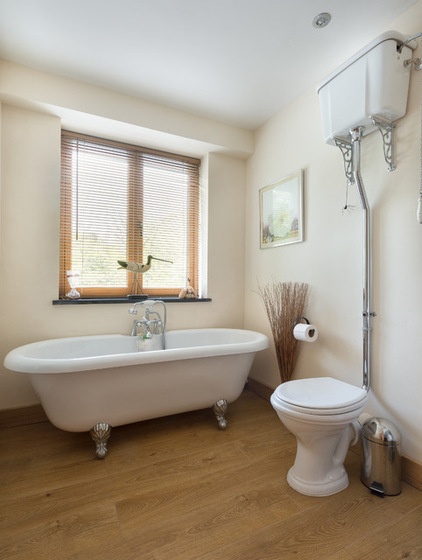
(125, 203)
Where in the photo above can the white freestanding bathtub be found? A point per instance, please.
(96, 382)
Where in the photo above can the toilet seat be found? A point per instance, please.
(319, 396)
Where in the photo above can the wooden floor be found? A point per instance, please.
(178, 488)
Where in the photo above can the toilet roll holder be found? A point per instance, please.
(312, 332)
(301, 320)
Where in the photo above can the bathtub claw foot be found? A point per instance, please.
(100, 433)
(220, 409)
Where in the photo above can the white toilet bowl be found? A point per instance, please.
(323, 415)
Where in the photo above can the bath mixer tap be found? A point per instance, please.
(133, 310)
(152, 322)
(136, 325)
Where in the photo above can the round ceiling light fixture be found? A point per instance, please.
(321, 20)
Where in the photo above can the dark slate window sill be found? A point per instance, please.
(85, 301)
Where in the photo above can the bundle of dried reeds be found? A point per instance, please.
(284, 302)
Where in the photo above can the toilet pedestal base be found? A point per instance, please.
(318, 469)
(318, 489)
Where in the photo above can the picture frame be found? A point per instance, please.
(281, 211)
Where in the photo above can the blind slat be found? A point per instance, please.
(121, 202)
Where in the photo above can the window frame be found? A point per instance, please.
(134, 253)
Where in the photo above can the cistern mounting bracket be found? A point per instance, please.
(387, 132)
(346, 151)
(415, 61)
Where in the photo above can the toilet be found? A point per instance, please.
(322, 413)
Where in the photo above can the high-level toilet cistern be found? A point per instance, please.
(367, 93)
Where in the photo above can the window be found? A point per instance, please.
(123, 203)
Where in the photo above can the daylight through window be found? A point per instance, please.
(123, 202)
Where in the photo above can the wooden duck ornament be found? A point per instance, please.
(139, 268)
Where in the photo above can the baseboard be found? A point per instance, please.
(411, 471)
(13, 417)
(259, 389)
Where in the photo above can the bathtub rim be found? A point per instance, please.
(19, 360)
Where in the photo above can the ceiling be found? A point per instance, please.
(236, 61)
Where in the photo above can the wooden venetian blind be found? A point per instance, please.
(123, 202)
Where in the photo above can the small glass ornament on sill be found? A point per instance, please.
(188, 292)
(73, 280)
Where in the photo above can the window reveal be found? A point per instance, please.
(122, 202)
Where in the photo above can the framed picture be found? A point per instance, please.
(281, 211)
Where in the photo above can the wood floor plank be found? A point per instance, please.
(65, 532)
(178, 488)
(201, 521)
(401, 538)
(62, 494)
(320, 532)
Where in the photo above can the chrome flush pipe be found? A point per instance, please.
(409, 40)
(367, 313)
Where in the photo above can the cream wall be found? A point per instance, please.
(30, 177)
(330, 257)
(35, 105)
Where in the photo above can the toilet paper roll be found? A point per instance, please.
(305, 333)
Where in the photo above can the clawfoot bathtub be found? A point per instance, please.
(96, 382)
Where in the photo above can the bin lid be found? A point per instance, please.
(381, 430)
